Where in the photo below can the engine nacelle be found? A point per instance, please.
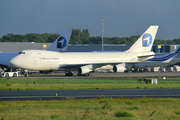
(140, 66)
(84, 70)
(119, 68)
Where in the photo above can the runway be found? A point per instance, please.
(107, 75)
(86, 94)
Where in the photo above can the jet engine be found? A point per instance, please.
(84, 70)
(119, 68)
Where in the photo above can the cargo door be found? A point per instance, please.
(34, 61)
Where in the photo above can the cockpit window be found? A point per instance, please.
(21, 52)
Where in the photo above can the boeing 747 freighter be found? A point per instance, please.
(87, 62)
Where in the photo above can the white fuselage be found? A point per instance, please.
(48, 60)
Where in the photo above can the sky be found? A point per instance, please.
(123, 18)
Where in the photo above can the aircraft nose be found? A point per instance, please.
(15, 62)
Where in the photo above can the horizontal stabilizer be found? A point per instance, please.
(150, 55)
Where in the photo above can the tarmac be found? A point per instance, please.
(96, 75)
(86, 94)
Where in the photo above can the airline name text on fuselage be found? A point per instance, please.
(52, 59)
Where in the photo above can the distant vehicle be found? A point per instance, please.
(13, 74)
(10, 74)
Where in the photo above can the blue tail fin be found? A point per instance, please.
(145, 42)
(60, 44)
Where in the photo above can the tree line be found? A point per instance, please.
(78, 37)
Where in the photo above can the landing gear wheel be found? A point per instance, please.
(126, 71)
(26, 74)
(81, 74)
(88, 74)
(6, 75)
(69, 74)
(14, 75)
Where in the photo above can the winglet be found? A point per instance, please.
(145, 42)
(60, 44)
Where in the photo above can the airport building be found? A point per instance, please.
(19, 46)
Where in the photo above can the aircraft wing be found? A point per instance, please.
(144, 56)
(94, 66)
(71, 66)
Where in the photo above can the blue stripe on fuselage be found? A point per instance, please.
(157, 58)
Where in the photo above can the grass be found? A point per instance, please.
(84, 86)
(123, 113)
(81, 84)
(92, 109)
(89, 109)
(47, 81)
(177, 112)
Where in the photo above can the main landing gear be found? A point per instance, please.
(69, 73)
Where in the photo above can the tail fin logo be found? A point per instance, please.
(147, 40)
(61, 42)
